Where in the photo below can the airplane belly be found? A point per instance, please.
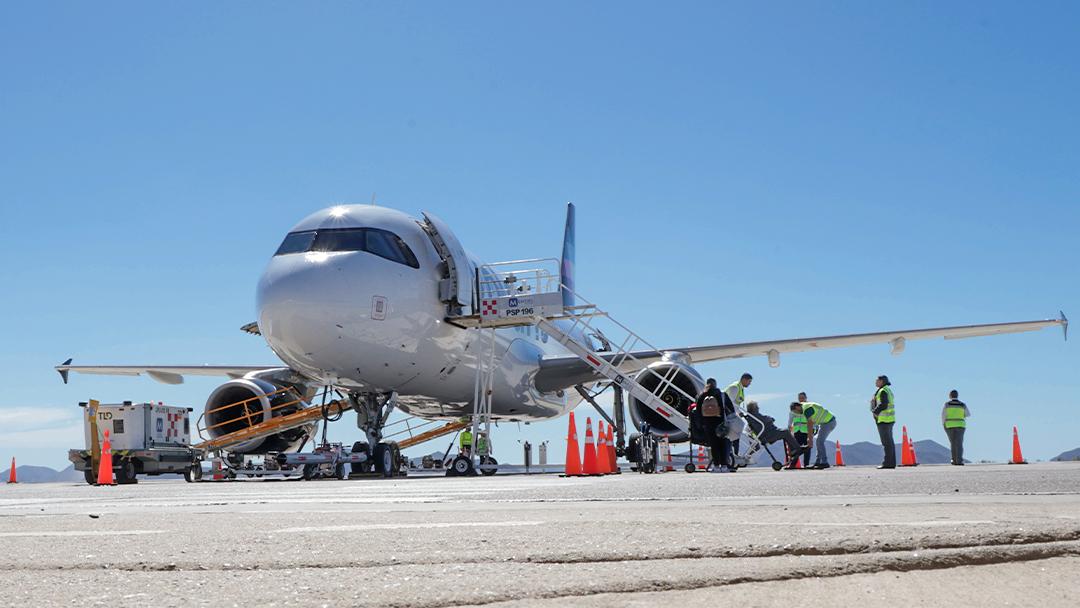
(514, 396)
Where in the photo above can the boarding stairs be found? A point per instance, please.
(529, 293)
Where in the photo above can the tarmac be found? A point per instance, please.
(983, 535)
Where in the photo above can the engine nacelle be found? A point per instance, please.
(686, 378)
(239, 404)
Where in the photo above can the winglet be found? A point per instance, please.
(62, 368)
(1064, 325)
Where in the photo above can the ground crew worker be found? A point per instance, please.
(765, 428)
(466, 442)
(481, 444)
(736, 391)
(883, 407)
(954, 418)
(820, 422)
(797, 426)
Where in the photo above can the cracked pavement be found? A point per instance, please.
(1004, 534)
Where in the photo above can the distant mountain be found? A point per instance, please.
(70, 474)
(31, 474)
(1070, 455)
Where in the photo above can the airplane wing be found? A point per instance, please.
(567, 370)
(167, 374)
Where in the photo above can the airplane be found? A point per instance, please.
(364, 298)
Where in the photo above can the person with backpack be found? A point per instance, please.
(713, 406)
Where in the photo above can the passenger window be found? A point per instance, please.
(340, 240)
(296, 242)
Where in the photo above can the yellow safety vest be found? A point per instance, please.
(820, 415)
(798, 424)
(888, 414)
(954, 417)
(466, 438)
(741, 395)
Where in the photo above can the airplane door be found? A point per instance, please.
(456, 289)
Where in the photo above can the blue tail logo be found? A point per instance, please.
(567, 265)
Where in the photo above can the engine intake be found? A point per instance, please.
(243, 403)
(686, 378)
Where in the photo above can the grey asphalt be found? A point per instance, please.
(1000, 535)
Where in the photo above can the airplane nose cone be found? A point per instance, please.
(303, 300)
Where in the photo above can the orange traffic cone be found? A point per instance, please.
(11, 474)
(215, 467)
(588, 467)
(839, 456)
(1017, 457)
(105, 472)
(602, 459)
(702, 463)
(614, 468)
(905, 448)
(914, 456)
(573, 452)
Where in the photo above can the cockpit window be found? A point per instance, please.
(382, 243)
(340, 240)
(296, 242)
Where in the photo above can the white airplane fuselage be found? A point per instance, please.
(360, 321)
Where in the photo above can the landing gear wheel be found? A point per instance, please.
(689, 468)
(88, 475)
(126, 474)
(193, 473)
(387, 456)
(462, 466)
(400, 466)
(488, 460)
(776, 466)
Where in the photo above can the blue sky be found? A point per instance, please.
(741, 172)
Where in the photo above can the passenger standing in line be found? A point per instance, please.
(719, 446)
(797, 426)
(736, 392)
(820, 423)
(954, 418)
(883, 407)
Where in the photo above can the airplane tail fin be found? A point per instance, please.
(567, 262)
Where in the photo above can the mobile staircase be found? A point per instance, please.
(530, 293)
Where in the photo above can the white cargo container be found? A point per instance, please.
(141, 426)
(147, 438)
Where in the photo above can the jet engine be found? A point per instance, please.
(685, 378)
(245, 402)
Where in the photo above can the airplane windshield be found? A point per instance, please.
(382, 243)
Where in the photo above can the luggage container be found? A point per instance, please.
(146, 438)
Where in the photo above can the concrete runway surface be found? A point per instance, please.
(992, 535)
